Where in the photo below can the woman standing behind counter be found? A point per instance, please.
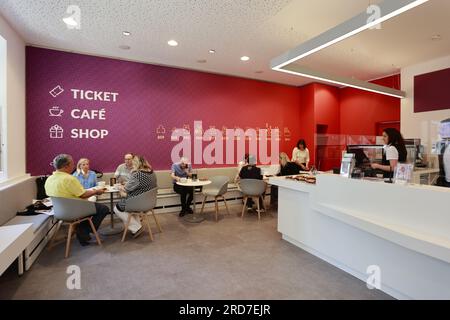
(300, 155)
(394, 152)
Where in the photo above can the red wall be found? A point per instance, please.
(307, 124)
(361, 110)
(345, 111)
(328, 118)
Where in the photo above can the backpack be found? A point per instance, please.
(40, 183)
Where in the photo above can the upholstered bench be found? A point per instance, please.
(15, 198)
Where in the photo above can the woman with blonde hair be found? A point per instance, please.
(142, 179)
(287, 168)
(87, 178)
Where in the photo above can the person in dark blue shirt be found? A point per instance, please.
(180, 170)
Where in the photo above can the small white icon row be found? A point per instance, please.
(56, 132)
(55, 111)
(56, 91)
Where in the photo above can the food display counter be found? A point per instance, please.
(358, 225)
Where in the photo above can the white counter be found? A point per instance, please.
(354, 224)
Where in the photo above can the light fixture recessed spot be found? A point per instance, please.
(172, 43)
(126, 33)
(70, 21)
(201, 61)
(245, 58)
(124, 47)
(436, 37)
(212, 51)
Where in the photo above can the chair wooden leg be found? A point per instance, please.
(203, 204)
(216, 208)
(69, 239)
(147, 222)
(126, 227)
(226, 205)
(156, 221)
(263, 204)
(52, 241)
(94, 231)
(245, 205)
(257, 206)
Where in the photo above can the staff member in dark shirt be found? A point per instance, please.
(251, 171)
(394, 152)
(444, 153)
(287, 168)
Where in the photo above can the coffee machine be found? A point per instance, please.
(415, 152)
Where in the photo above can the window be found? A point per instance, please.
(2, 108)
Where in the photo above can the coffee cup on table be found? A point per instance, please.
(183, 180)
(101, 184)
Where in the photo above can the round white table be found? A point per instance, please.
(111, 229)
(194, 218)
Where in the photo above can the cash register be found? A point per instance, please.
(365, 155)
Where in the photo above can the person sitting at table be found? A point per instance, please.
(87, 178)
(123, 171)
(63, 185)
(287, 168)
(241, 164)
(181, 170)
(251, 171)
(142, 179)
(300, 155)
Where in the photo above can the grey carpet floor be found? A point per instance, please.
(230, 259)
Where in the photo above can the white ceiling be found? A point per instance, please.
(260, 29)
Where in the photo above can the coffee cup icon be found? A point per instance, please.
(55, 111)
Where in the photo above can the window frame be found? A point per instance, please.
(3, 109)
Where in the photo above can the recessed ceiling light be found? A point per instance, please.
(172, 43)
(245, 58)
(201, 61)
(70, 21)
(125, 47)
(126, 33)
(212, 51)
(436, 37)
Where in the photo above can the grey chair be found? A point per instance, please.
(217, 188)
(72, 211)
(140, 206)
(254, 189)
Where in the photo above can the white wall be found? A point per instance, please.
(2, 103)
(423, 125)
(15, 101)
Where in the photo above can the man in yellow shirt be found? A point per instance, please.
(62, 184)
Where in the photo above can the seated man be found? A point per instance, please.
(180, 170)
(251, 171)
(62, 184)
(123, 171)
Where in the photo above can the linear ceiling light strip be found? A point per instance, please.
(357, 24)
(342, 81)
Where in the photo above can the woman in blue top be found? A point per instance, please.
(87, 178)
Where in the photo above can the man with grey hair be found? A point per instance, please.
(62, 184)
(181, 170)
